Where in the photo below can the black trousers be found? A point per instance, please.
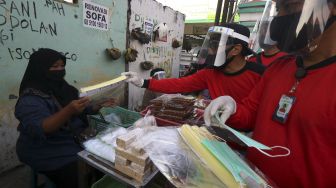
(65, 177)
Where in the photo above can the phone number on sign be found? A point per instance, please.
(94, 23)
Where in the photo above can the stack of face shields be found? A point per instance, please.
(219, 157)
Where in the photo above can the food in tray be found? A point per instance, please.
(183, 113)
(186, 101)
(172, 107)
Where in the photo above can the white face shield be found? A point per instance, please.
(260, 37)
(159, 75)
(216, 43)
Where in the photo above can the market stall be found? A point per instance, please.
(188, 156)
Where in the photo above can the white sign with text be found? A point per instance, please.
(95, 16)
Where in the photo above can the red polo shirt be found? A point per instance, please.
(266, 60)
(309, 132)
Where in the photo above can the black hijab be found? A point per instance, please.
(38, 77)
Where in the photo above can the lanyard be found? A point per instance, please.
(287, 101)
(300, 73)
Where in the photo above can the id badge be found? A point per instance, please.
(284, 108)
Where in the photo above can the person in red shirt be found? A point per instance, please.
(267, 56)
(225, 49)
(294, 104)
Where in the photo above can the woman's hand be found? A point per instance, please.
(107, 103)
(55, 121)
(77, 106)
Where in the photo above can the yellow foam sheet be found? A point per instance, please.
(103, 84)
(193, 136)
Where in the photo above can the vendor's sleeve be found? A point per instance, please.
(190, 83)
(31, 111)
(245, 116)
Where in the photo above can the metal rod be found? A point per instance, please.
(225, 12)
(231, 6)
(218, 11)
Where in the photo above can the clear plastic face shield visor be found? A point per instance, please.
(295, 25)
(216, 43)
(159, 75)
(260, 37)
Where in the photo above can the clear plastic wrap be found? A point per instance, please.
(188, 156)
(230, 167)
(173, 107)
(176, 161)
(185, 157)
(104, 143)
(170, 99)
(147, 121)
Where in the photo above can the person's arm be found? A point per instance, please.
(187, 84)
(246, 111)
(94, 109)
(37, 118)
(55, 121)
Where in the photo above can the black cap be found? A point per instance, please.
(243, 30)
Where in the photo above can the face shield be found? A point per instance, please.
(299, 24)
(260, 37)
(217, 43)
(159, 75)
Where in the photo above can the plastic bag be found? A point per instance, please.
(221, 159)
(176, 161)
(147, 121)
(112, 118)
(103, 145)
(163, 99)
(173, 107)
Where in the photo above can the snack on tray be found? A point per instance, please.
(172, 107)
(131, 158)
(176, 106)
(184, 113)
(170, 117)
(186, 101)
(156, 102)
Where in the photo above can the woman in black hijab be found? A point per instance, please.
(50, 114)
